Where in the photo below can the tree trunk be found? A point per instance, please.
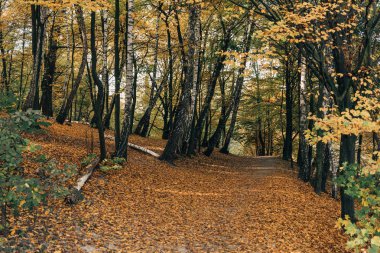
(134, 92)
(347, 144)
(104, 22)
(288, 144)
(181, 123)
(143, 125)
(39, 16)
(122, 147)
(107, 117)
(238, 88)
(219, 65)
(327, 166)
(215, 138)
(321, 147)
(304, 170)
(49, 72)
(65, 108)
(190, 128)
(98, 83)
(376, 146)
(207, 127)
(117, 74)
(20, 89)
(4, 85)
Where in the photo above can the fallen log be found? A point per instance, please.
(144, 150)
(138, 148)
(131, 145)
(75, 195)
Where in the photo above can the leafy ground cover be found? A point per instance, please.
(206, 204)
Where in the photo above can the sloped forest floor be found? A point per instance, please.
(220, 204)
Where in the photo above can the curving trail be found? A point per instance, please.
(218, 204)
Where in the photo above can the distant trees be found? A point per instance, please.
(337, 56)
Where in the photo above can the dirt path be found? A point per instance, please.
(218, 204)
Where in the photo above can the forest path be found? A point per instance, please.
(222, 203)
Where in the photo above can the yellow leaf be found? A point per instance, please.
(22, 202)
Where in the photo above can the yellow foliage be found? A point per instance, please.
(364, 118)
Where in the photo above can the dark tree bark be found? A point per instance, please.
(107, 117)
(359, 152)
(105, 76)
(219, 65)
(174, 144)
(134, 93)
(98, 83)
(288, 144)
(376, 145)
(321, 147)
(215, 137)
(117, 74)
(67, 104)
(4, 85)
(207, 131)
(39, 17)
(304, 169)
(168, 107)
(143, 125)
(49, 72)
(326, 166)
(20, 89)
(235, 100)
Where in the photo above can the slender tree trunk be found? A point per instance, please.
(39, 15)
(321, 147)
(107, 117)
(134, 92)
(104, 23)
(168, 126)
(181, 123)
(49, 72)
(143, 125)
(20, 95)
(207, 131)
(288, 144)
(117, 74)
(215, 137)
(219, 65)
(235, 101)
(72, 67)
(376, 145)
(359, 152)
(4, 85)
(67, 103)
(82, 98)
(122, 147)
(311, 122)
(98, 83)
(327, 166)
(69, 50)
(304, 170)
